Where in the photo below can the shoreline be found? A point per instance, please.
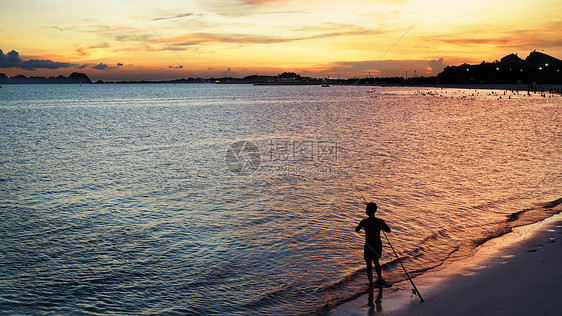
(495, 86)
(497, 279)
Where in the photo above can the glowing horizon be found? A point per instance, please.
(114, 41)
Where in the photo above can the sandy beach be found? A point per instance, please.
(515, 274)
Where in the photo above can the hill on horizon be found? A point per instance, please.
(75, 77)
(537, 68)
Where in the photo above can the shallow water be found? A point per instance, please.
(241, 199)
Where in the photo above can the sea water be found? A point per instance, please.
(240, 199)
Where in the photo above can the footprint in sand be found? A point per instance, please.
(505, 258)
(538, 246)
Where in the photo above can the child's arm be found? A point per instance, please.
(385, 227)
(358, 228)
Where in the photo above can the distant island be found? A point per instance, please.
(537, 68)
(74, 77)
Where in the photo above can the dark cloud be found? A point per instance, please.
(13, 60)
(129, 37)
(119, 64)
(177, 16)
(100, 66)
(59, 28)
(31, 64)
(437, 66)
(10, 60)
(83, 66)
(176, 67)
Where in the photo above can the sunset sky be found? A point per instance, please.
(114, 40)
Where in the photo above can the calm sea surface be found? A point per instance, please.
(239, 199)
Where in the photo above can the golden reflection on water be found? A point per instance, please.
(134, 193)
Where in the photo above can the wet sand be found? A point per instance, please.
(516, 274)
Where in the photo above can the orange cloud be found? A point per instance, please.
(84, 50)
(383, 68)
(495, 42)
(518, 38)
(200, 38)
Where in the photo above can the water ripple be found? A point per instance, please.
(116, 199)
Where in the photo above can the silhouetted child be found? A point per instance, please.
(373, 245)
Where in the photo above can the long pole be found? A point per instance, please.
(400, 261)
(398, 258)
